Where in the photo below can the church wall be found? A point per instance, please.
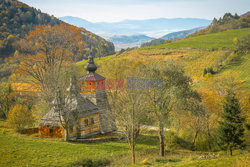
(72, 130)
(99, 98)
(89, 124)
(51, 131)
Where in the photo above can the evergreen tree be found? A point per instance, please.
(230, 130)
(204, 72)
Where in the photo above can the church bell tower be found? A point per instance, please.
(94, 89)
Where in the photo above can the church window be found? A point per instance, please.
(71, 129)
(92, 121)
(86, 121)
(51, 130)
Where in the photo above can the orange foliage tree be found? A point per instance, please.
(47, 54)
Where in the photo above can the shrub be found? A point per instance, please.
(20, 117)
(171, 140)
(243, 46)
(208, 70)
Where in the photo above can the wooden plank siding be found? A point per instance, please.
(80, 129)
(90, 127)
(51, 131)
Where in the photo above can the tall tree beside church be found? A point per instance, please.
(128, 106)
(172, 94)
(45, 55)
(230, 130)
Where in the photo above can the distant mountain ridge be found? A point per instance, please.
(170, 37)
(131, 27)
(129, 41)
(180, 34)
(125, 33)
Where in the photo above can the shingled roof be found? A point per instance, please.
(84, 107)
(80, 106)
(91, 77)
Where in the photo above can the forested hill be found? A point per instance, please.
(227, 22)
(17, 19)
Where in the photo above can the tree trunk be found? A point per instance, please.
(133, 144)
(194, 140)
(209, 137)
(133, 152)
(137, 133)
(161, 139)
(231, 151)
(66, 134)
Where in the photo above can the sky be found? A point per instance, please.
(118, 10)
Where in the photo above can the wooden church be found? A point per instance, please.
(91, 114)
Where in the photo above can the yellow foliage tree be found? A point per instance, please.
(20, 117)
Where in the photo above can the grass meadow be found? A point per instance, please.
(23, 150)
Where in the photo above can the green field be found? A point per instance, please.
(216, 40)
(23, 150)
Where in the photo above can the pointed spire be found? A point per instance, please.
(72, 99)
(91, 67)
(73, 87)
(58, 101)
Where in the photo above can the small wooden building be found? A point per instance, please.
(90, 109)
(85, 122)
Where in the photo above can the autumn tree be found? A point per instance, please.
(128, 106)
(7, 99)
(20, 117)
(193, 120)
(46, 54)
(174, 93)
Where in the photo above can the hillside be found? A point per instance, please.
(55, 152)
(180, 34)
(18, 19)
(174, 36)
(227, 22)
(215, 40)
(195, 54)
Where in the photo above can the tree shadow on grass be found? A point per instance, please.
(97, 141)
(148, 140)
(161, 160)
